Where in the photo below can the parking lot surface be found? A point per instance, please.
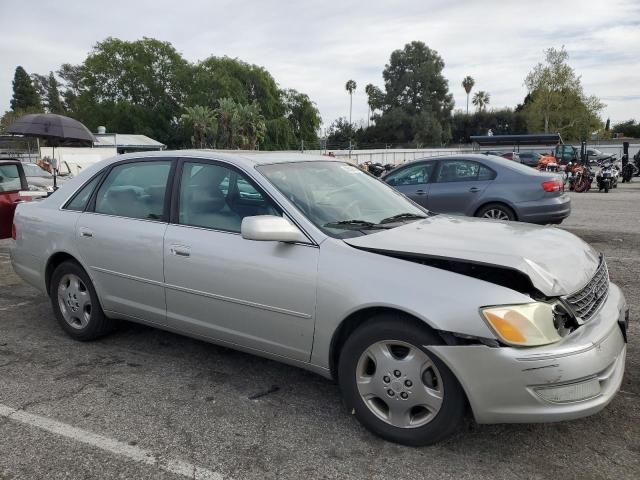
(142, 403)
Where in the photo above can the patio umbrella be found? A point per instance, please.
(56, 129)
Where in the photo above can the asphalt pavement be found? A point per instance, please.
(146, 404)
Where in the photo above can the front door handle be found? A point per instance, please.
(180, 251)
(474, 189)
(86, 233)
(420, 192)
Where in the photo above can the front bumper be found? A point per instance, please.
(573, 378)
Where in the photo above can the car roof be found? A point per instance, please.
(241, 157)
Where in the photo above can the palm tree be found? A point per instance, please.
(227, 114)
(370, 91)
(481, 100)
(251, 126)
(203, 121)
(468, 84)
(350, 86)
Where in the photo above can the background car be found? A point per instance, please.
(483, 186)
(12, 181)
(530, 159)
(37, 178)
(594, 155)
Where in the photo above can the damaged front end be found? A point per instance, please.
(555, 317)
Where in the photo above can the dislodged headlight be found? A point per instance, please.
(527, 325)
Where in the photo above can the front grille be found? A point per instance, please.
(587, 301)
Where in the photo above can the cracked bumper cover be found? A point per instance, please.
(503, 384)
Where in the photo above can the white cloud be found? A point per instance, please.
(316, 46)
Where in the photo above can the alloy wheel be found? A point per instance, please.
(399, 384)
(496, 214)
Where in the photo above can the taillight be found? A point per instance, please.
(13, 231)
(553, 186)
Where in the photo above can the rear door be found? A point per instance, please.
(413, 181)
(121, 236)
(458, 186)
(12, 180)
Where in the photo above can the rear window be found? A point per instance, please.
(81, 199)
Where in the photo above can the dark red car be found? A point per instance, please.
(12, 181)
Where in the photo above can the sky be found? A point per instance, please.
(316, 46)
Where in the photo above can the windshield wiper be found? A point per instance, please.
(401, 216)
(357, 224)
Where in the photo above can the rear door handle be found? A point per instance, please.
(474, 189)
(86, 233)
(180, 250)
(420, 192)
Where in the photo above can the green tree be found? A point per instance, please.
(134, 86)
(481, 100)
(303, 115)
(630, 128)
(467, 83)
(202, 120)
(71, 76)
(416, 98)
(25, 96)
(53, 100)
(340, 133)
(558, 103)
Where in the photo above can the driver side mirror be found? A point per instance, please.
(270, 228)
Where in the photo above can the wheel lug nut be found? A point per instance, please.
(391, 392)
(386, 379)
(397, 373)
(404, 395)
(408, 383)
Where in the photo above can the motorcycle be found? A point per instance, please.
(630, 169)
(377, 169)
(584, 179)
(606, 176)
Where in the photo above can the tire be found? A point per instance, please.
(496, 211)
(405, 421)
(76, 305)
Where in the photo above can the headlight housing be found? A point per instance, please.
(527, 325)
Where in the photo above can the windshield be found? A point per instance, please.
(31, 170)
(340, 199)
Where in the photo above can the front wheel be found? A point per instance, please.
(395, 386)
(75, 303)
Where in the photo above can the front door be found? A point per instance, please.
(120, 238)
(11, 182)
(259, 295)
(458, 186)
(413, 181)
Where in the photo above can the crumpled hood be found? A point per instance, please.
(557, 262)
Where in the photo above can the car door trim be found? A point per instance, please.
(259, 306)
(246, 303)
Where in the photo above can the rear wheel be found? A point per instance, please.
(496, 211)
(395, 386)
(76, 305)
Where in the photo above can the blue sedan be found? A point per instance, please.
(483, 186)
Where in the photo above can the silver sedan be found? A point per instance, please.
(421, 318)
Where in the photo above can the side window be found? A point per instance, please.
(10, 178)
(415, 175)
(458, 171)
(81, 198)
(485, 173)
(135, 190)
(216, 197)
